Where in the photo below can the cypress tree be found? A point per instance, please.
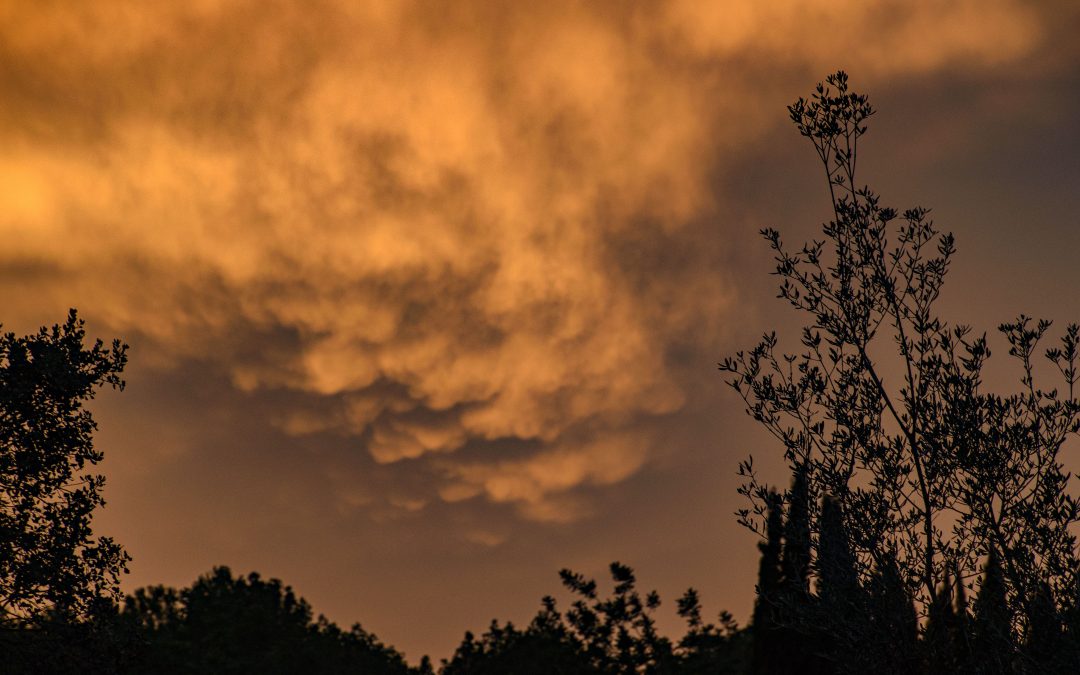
(766, 629)
(1044, 643)
(941, 630)
(961, 608)
(796, 604)
(842, 605)
(838, 580)
(894, 643)
(961, 630)
(992, 638)
(796, 557)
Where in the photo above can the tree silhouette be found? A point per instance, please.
(52, 571)
(992, 634)
(842, 607)
(884, 408)
(1044, 644)
(613, 635)
(796, 556)
(766, 626)
(961, 628)
(707, 648)
(940, 639)
(544, 647)
(226, 624)
(795, 606)
(617, 634)
(894, 630)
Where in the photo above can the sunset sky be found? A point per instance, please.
(425, 299)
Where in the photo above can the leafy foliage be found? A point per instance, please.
(884, 408)
(608, 636)
(226, 624)
(543, 647)
(50, 566)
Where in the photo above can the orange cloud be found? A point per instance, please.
(539, 482)
(448, 209)
(883, 37)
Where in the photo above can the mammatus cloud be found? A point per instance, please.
(531, 481)
(448, 226)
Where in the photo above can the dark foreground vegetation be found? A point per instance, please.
(929, 526)
(230, 625)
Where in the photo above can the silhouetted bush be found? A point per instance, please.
(607, 636)
(225, 624)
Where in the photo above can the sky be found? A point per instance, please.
(425, 299)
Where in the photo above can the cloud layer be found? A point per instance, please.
(448, 228)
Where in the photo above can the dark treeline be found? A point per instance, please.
(221, 624)
(811, 616)
(244, 624)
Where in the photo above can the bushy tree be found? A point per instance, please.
(56, 579)
(247, 624)
(50, 564)
(884, 407)
(543, 647)
(710, 648)
(614, 635)
(617, 634)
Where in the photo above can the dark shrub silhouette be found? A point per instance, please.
(610, 636)
(225, 624)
